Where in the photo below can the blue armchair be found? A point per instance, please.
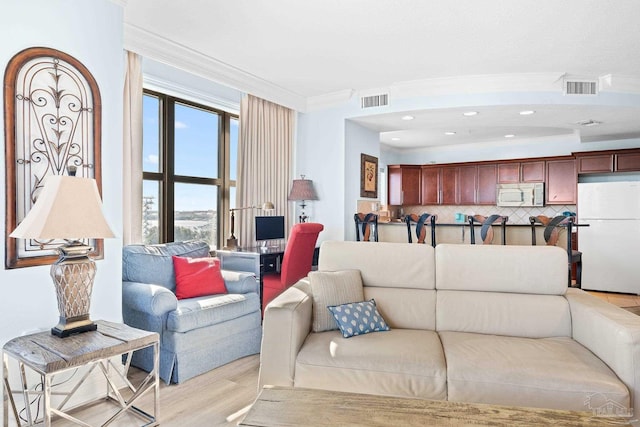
(196, 334)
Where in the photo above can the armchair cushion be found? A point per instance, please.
(196, 277)
(194, 313)
(146, 298)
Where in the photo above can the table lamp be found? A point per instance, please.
(301, 190)
(232, 241)
(69, 208)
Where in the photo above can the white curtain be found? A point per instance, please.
(264, 163)
(132, 146)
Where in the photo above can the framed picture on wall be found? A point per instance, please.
(368, 176)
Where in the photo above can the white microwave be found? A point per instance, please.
(521, 194)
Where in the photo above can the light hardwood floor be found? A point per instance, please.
(222, 396)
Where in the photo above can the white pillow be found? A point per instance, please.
(330, 288)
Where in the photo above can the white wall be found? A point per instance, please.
(358, 140)
(90, 31)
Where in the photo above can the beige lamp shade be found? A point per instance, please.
(302, 189)
(68, 207)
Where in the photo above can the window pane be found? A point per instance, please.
(233, 149)
(196, 142)
(195, 214)
(150, 218)
(150, 134)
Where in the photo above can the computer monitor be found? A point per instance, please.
(269, 228)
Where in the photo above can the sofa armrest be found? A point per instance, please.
(286, 324)
(611, 333)
(147, 298)
(238, 282)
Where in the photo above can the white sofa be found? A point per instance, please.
(469, 323)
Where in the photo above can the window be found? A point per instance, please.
(189, 170)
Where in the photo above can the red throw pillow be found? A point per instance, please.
(196, 277)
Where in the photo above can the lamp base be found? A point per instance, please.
(72, 276)
(232, 243)
(65, 328)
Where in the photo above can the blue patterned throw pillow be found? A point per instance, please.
(358, 318)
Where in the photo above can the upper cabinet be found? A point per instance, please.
(404, 184)
(627, 162)
(431, 185)
(562, 181)
(595, 164)
(514, 172)
(608, 161)
(459, 185)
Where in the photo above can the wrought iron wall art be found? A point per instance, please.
(52, 116)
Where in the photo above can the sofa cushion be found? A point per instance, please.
(358, 318)
(401, 362)
(196, 277)
(332, 288)
(496, 268)
(389, 265)
(194, 313)
(554, 373)
(153, 263)
(501, 313)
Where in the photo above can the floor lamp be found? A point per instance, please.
(69, 208)
(232, 241)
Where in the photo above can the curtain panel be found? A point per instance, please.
(264, 163)
(132, 146)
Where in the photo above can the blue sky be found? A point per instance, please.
(195, 152)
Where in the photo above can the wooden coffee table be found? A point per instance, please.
(281, 406)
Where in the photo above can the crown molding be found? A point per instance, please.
(170, 88)
(329, 99)
(152, 46)
(619, 83)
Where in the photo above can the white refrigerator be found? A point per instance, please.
(610, 245)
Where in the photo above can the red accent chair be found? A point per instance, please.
(296, 261)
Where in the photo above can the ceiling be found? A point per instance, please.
(305, 51)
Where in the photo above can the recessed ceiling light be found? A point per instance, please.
(408, 117)
(449, 133)
(509, 135)
(395, 138)
(527, 112)
(469, 113)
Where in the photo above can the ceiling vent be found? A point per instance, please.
(580, 87)
(374, 101)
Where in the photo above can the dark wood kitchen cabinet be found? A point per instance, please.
(467, 185)
(602, 163)
(627, 162)
(532, 171)
(404, 184)
(449, 189)
(487, 180)
(508, 173)
(431, 185)
(561, 182)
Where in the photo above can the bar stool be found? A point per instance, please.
(486, 231)
(553, 226)
(420, 222)
(365, 224)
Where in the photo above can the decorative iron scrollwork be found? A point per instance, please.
(53, 107)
